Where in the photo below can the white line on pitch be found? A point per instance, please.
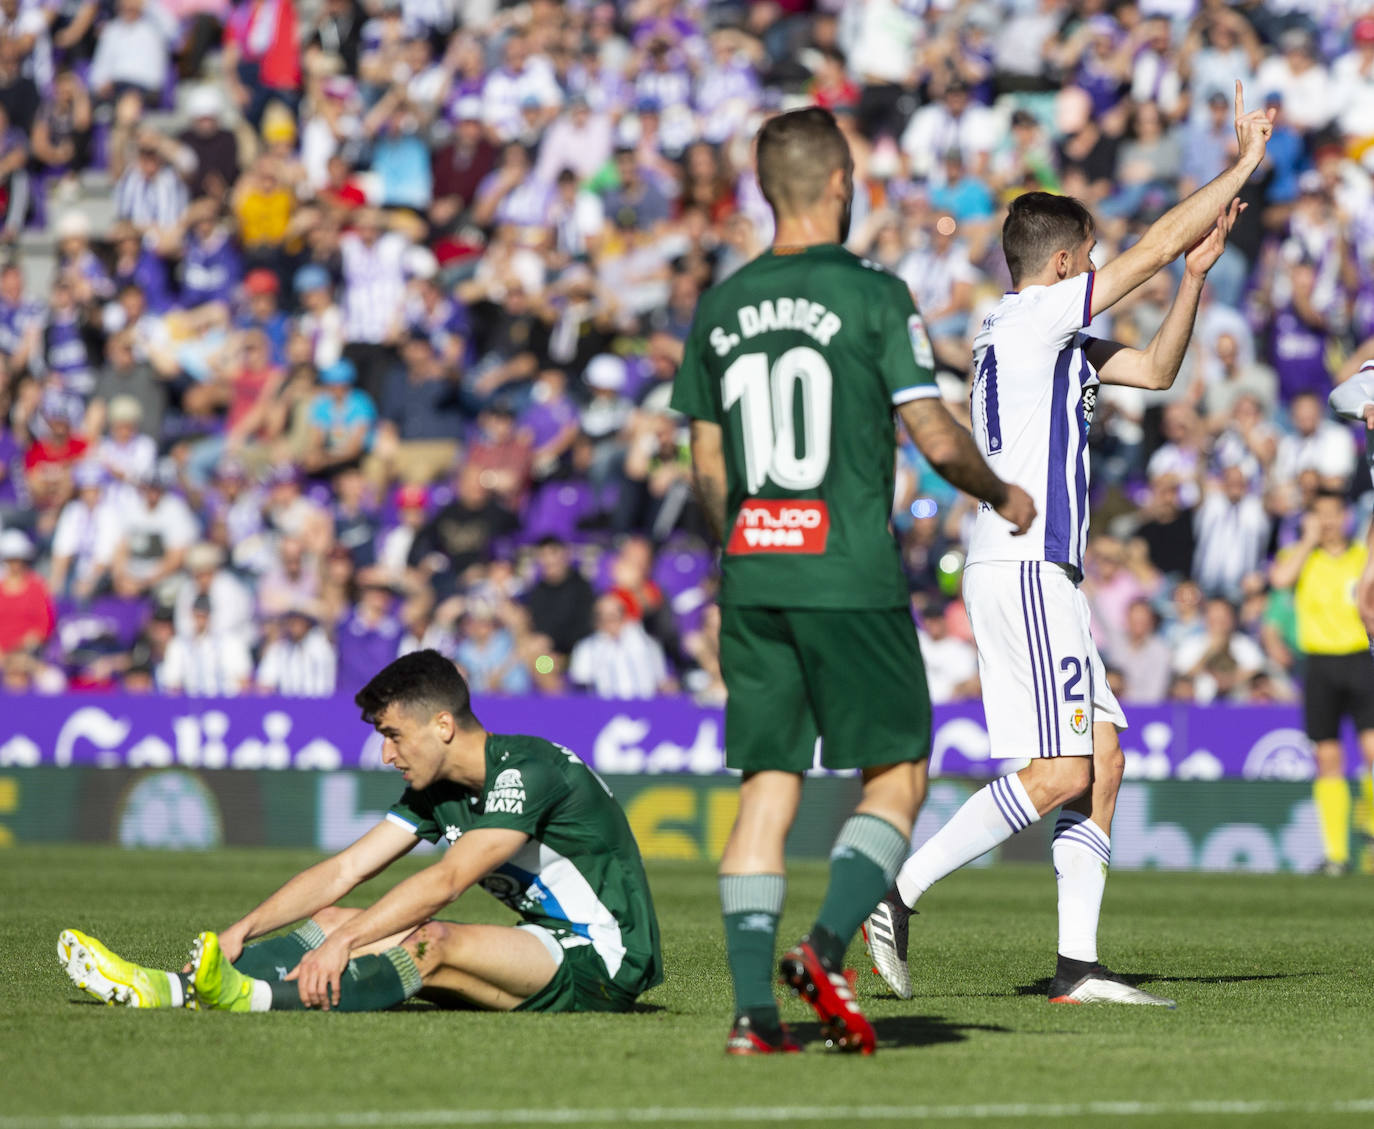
(363, 1119)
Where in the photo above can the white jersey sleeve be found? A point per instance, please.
(1350, 399)
(1033, 398)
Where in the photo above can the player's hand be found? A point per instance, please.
(1203, 255)
(1018, 509)
(319, 972)
(1369, 417)
(1311, 529)
(1253, 130)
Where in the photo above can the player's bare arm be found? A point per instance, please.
(708, 474)
(1188, 221)
(952, 451)
(320, 885)
(1156, 366)
(404, 907)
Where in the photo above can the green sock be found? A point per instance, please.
(863, 864)
(751, 905)
(273, 958)
(370, 983)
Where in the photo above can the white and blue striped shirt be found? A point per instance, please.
(156, 201)
(1033, 398)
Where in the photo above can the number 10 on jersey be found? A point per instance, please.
(767, 397)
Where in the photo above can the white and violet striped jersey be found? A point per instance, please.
(1033, 398)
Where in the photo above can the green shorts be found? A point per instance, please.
(852, 677)
(580, 984)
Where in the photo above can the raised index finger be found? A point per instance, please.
(1240, 100)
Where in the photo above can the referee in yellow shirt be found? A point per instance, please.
(1325, 569)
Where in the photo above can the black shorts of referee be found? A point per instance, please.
(1335, 687)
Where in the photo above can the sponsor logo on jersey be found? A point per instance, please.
(1078, 721)
(775, 525)
(1089, 406)
(508, 793)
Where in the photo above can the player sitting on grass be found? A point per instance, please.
(524, 818)
(1045, 688)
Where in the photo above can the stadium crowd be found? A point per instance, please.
(378, 350)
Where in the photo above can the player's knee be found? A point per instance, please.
(430, 945)
(1058, 781)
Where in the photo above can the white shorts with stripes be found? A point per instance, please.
(1044, 684)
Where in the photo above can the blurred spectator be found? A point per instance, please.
(368, 635)
(374, 297)
(1221, 660)
(300, 662)
(560, 601)
(131, 54)
(228, 602)
(342, 422)
(487, 654)
(202, 662)
(951, 663)
(262, 56)
(619, 659)
(158, 529)
(1142, 656)
(26, 608)
(209, 153)
(1232, 533)
(87, 532)
(1316, 443)
(150, 194)
(421, 415)
(463, 533)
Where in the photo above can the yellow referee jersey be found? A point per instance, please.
(1324, 602)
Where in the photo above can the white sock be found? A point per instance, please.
(262, 996)
(990, 816)
(174, 982)
(1081, 851)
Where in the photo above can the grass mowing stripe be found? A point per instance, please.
(441, 1117)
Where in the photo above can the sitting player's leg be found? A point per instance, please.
(867, 686)
(770, 736)
(113, 980)
(489, 966)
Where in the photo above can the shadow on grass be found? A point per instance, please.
(907, 1031)
(1135, 979)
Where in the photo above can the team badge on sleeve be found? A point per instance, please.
(920, 342)
(1078, 721)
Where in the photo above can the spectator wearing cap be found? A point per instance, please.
(87, 532)
(487, 654)
(125, 375)
(320, 320)
(560, 601)
(619, 659)
(211, 267)
(208, 156)
(26, 608)
(393, 545)
(149, 194)
(301, 662)
(262, 56)
(421, 416)
(202, 661)
(261, 312)
(341, 420)
(328, 126)
(374, 297)
(158, 528)
(1299, 75)
(460, 166)
(131, 54)
(230, 604)
(125, 454)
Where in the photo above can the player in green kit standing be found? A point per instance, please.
(791, 373)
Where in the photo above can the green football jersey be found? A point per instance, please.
(579, 876)
(800, 357)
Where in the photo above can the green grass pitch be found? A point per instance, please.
(1274, 979)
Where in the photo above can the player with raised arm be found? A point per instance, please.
(523, 818)
(1045, 690)
(1353, 399)
(791, 373)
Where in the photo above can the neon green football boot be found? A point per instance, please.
(216, 985)
(110, 978)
